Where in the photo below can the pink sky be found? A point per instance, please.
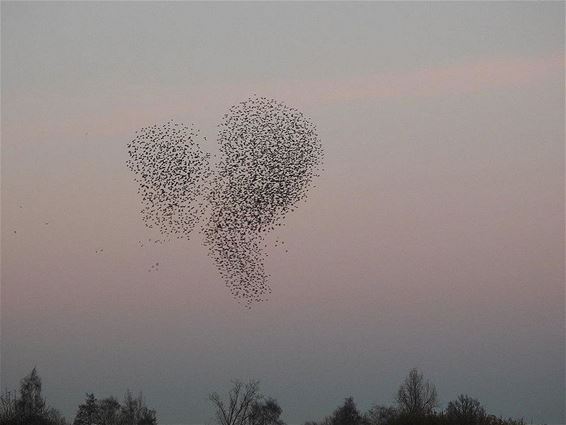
(434, 238)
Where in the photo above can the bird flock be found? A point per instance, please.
(270, 154)
(171, 171)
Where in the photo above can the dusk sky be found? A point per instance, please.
(434, 238)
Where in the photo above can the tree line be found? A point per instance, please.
(29, 407)
(416, 403)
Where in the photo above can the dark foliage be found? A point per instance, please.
(109, 411)
(29, 407)
(347, 414)
(266, 412)
(466, 411)
(416, 404)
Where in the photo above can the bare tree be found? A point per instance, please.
(417, 396)
(380, 415)
(135, 412)
(8, 406)
(239, 406)
(466, 410)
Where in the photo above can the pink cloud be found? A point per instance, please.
(138, 106)
(461, 78)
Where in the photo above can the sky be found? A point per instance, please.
(434, 238)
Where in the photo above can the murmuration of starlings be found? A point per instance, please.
(269, 156)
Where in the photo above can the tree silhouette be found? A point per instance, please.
(29, 407)
(347, 414)
(416, 402)
(416, 396)
(8, 406)
(245, 405)
(88, 412)
(466, 410)
(380, 415)
(265, 412)
(134, 411)
(31, 404)
(109, 411)
(237, 409)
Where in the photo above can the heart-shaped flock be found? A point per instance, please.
(269, 155)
